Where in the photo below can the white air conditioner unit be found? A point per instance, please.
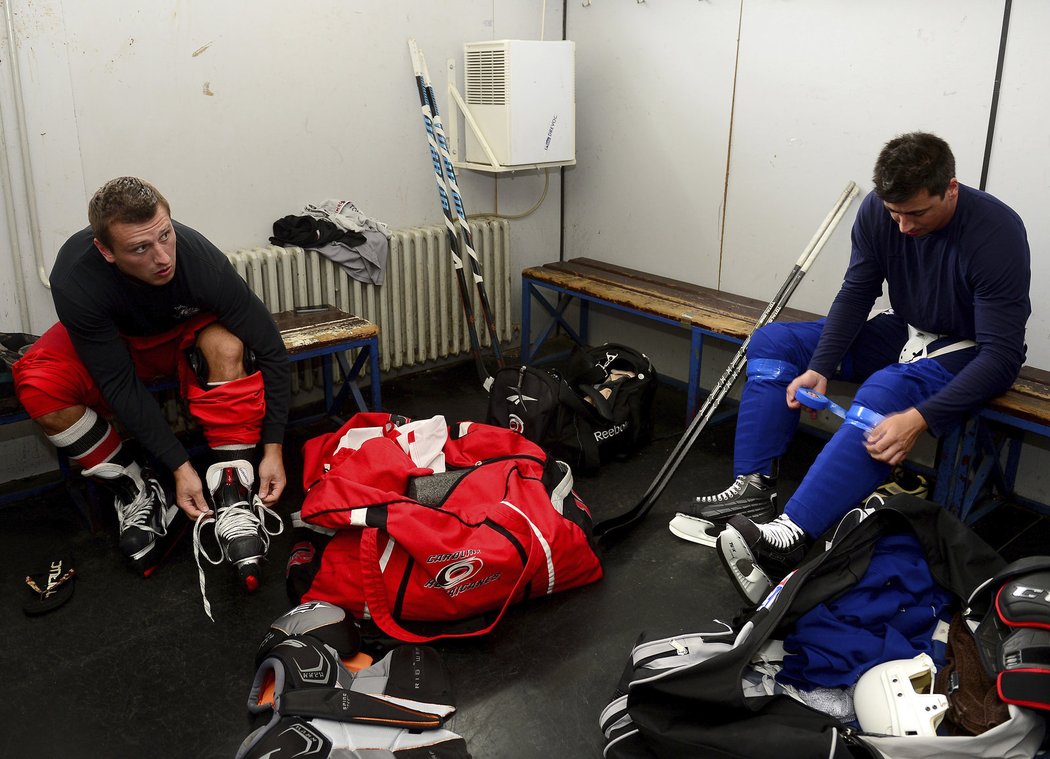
(522, 96)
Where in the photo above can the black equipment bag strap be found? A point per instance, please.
(581, 412)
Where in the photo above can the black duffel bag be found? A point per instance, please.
(595, 408)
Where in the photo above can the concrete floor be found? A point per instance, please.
(133, 667)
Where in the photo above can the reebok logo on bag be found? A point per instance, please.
(514, 421)
(527, 401)
(612, 432)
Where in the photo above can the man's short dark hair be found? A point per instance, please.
(913, 162)
(124, 200)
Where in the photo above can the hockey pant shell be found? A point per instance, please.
(782, 351)
(844, 473)
(51, 377)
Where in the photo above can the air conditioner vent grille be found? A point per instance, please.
(485, 77)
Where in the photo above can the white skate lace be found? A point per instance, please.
(235, 520)
(137, 513)
(728, 494)
(781, 533)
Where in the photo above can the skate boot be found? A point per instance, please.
(146, 514)
(751, 495)
(240, 519)
(900, 482)
(757, 556)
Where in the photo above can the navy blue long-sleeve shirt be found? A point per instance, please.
(97, 304)
(969, 280)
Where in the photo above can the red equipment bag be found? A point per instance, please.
(387, 539)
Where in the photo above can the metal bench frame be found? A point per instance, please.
(979, 457)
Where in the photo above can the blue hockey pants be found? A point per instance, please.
(843, 474)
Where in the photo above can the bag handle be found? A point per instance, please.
(581, 410)
(379, 605)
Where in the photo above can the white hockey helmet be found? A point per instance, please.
(897, 698)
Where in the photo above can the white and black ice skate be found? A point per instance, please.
(146, 513)
(243, 523)
(703, 518)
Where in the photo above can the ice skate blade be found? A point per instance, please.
(694, 529)
(750, 580)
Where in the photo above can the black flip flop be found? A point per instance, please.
(50, 588)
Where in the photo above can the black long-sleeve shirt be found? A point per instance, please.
(969, 280)
(97, 304)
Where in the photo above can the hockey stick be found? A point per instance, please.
(450, 224)
(460, 211)
(728, 378)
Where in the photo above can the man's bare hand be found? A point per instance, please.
(812, 380)
(892, 439)
(189, 492)
(272, 478)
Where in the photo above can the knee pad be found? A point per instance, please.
(199, 364)
(770, 369)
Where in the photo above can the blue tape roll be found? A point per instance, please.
(862, 417)
(858, 416)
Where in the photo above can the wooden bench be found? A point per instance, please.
(328, 332)
(969, 463)
(705, 312)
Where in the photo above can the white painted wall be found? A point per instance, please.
(813, 109)
(698, 158)
(240, 113)
(819, 86)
